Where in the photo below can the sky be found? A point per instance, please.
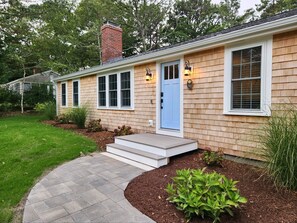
(244, 4)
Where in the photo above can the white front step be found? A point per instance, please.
(158, 144)
(140, 156)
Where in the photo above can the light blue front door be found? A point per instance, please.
(170, 96)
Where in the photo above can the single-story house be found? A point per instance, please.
(216, 89)
(44, 78)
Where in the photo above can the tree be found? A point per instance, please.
(271, 7)
(144, 20)
(192, 18)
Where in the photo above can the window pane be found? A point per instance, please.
(235, 71)
(256, 87)
(125, 80)
(113, 82)
(236, 100)
(166, 73)
(236, 87)
(256, 101)
(246, 101)
(113, 98)
(171, 72)
(126, 98)
(125, 89)
(236, 57)
(102, 83)
(246, 87)
(256, 69)
(176, 71)
(245, 70)
(256, 54)
(246, 56)
(102, 99)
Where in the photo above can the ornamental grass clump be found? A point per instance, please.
(204, 194)
(47, 108)
(279, 143)
(79, 116)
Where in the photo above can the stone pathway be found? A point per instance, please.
(88, 189)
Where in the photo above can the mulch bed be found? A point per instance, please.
(265, 203)
(101, 138)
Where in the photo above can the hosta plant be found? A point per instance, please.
(204, 194)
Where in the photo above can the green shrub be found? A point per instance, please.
(9, 100)
(122, 131)
(50, 110)
(213, 158)
(47, 108)
(38, 94)
(64, 118)
(279, 143)
(95, 126)
(204, 194)
(79, 116)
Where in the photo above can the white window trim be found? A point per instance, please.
(266, 75)
(66, 92)
(75, 106)
(118, 107)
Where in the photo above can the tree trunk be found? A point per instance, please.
(22, 86)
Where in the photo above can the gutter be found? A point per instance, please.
(264, 29)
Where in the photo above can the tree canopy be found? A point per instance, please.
(64, 35)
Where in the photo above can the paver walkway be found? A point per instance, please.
(88, 189)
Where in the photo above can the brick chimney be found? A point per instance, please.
(111, 42)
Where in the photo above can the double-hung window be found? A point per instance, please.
(64, 94)
(102, 91)
(248, 79)
(125, 89)
(75, 93)
(115, 90)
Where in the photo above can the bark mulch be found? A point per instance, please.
(266, 203)
(101, 138)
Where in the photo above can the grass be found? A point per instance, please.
(27, 149)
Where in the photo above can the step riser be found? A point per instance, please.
(141, 147)
(181, 149)
(158, 151)
(138, 158)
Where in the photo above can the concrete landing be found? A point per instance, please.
(85, 190)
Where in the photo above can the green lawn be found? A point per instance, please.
(27, 149)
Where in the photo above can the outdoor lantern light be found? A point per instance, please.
(188, 68)
(149, 75)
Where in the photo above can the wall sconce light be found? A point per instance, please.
(188, 68)
(148, 75)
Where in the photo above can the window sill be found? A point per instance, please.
(115, 109)
(247, 113)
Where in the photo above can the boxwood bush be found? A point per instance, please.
(204, 194)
